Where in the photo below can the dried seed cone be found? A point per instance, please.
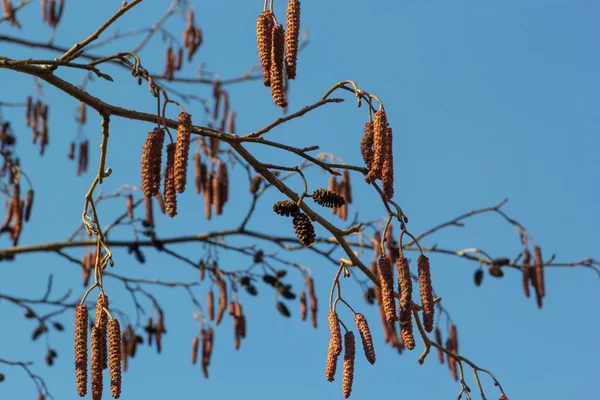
(114, 342)
(365, 336)
(366, 145)
(101, 323)
(349, 356)
(152, 161)
(379, 145)
(195, 344)
(182, 150)
(170, 194)
(210, 304)
(81, 329)
(264, 29)
(286, 208)
(387, 289)
(387, 169)
(426, 292)
(276, 67)
(291, 38)
(328, 198)
(304, 229)
(405, 290)
(96, 367)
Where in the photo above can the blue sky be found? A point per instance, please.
(487, 101)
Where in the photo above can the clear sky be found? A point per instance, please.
(487, 101)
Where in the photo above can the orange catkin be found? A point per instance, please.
(182, 149)
(335, 346)
(312, 298)
(170, 194)
(438, 339)
(426, 292)
(198, 178)
(291, 38)
(379, 145)
(129, 206)
(101, 322)
(152, 161)
(277, 52)
(114, 344)
(365, 336)
(387, 169)
(264, 38)
(303, 306)
(526, 272)
(96, 367)
(366, 145)
(387, 288)
(222, 300)
(349, 356)
(405, 290)
(195, 344)
(210, 305)
(539, 271)
(81, 329)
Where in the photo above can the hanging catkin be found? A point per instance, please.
(81, 329)
(335, 346)
(349, 356)
(101, 323)
(405, 290)
(291, 38)
(152, 161)
(526, 271)
(365, 336)
(387, 169)
(170, 194)
(264, 38)
(387, 289)
(184, 129)
(114, 343)
(426, 290)
(379, 146)
(96, 363)
(276, 67)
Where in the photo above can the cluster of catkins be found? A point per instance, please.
(312, 299)
(18, 210)
(213, 185)
(52, 12)
(534, 276)
(192, 35)
(172, 61)
(105, 348)
(36, 117)
(452, 346)
(376, 150)
(278, 49)
(335, 349)
(343, 189)
(226, 120)
(9, 13)
(155, 331)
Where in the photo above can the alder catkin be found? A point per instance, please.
(101, 323)
(276, 67)
(366, 145)
(312, 298)
(198, 179)
(210, 305)
(387, 289)
(347, 188)
(129, 206)
(170, 193)
(335, 346)
(264, 29)
(526, 272)
(365, 336)
(291, 38)
(304, 229)
(379, 145)
(149, 221)
(114, 344)
(539, 271)
(96, 363)
(28, 204)
(349, 356)
(195, 343)
(152, 161)
(182, 149)
(387, 169)
(426, 291)
(438, 339)
(81, 329)
(303, 309)
(405, 291)
(222, 300)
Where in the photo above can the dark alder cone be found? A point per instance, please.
(438, 339)
(276, 67)
(152, 161)
(327, 198)
(379, 146)
(303, 309)
(526, 271)
(286, 208)
(198, 180)
(255, 183)
(81, 330)
(349, 356)
(195, 344)
(291, 38)
(210, 305)
(114, 352)
(304, 229)
(28, 204)
(366, 144)
(96, 365)
(264, 38)
(405, 290)
(182, 149)
(365, 336)
(426, 292)
(496, 271)
(283, 310)
(478, 277)
(387, 169)
(170, 194)
(101, 323)
(387, 289)
(129, 206)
